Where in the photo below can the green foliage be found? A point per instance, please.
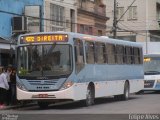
(23, 72)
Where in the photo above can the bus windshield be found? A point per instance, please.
(44, 60)
(151, 65)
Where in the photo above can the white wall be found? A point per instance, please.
(151, 47)
(146, 17)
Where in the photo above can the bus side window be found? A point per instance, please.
(129, 54)
(141, 55)
(100, 53)
(132, 56)
(125, 56)
(79, 55)
(136, 55)
(111, 55)
(120, 54)
(90, 55)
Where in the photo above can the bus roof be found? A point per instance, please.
(152, 55)
(91, 38)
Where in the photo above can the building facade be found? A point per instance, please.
(10, 9)
(25, 16)
(12, 23)
(139, 23)
(91, 17)
(61, 15)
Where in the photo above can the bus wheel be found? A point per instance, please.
(125, 95)
(90, 96)
(43, 105)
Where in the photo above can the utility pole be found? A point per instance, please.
(115, 20)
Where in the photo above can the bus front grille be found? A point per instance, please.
(44, 85)
(43, 82)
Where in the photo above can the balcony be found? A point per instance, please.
(94, 11)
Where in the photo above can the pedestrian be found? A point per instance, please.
(13, 86)
(8, 73)
(3, 87)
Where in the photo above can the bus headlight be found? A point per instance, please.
(67, 85)
(20, 86)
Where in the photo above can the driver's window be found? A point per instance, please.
(79, 54)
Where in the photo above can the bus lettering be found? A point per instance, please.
(38, 39)
(44, 38)
(30, 39)
(60, 38)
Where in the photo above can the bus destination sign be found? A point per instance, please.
(40, 38)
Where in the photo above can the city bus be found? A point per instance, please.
(65, 66)
(152, 72)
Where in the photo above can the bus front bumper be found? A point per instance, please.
(75, 92)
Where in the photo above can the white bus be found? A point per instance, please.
(65, 66)
(152, 72)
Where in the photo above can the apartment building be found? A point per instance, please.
(91, 17)
(61, 15)
(141, 21)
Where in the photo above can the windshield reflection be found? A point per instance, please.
(44, 60)
(152, 66)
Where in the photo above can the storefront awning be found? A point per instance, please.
(5, 44)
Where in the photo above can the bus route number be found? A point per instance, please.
(30, 39)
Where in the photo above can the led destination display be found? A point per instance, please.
(44, 38)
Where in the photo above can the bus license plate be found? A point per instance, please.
(43, 95)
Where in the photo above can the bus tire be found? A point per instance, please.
(125, 95)
(43, 105)
(90, 96)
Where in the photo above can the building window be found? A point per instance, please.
(99, 32)
(120, 12)
(81, 28)
(158, 11)
(85, 29)
(90, 31)
(132, 13)
(57, 17)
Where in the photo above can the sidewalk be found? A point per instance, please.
(20, 105)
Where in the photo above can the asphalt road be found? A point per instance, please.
(145, 104)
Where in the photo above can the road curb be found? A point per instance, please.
(19, 106)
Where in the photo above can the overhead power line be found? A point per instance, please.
(115, 21)
(125, 11)
(47, 19)
(40, 18)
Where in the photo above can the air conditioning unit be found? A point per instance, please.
(19, 24)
